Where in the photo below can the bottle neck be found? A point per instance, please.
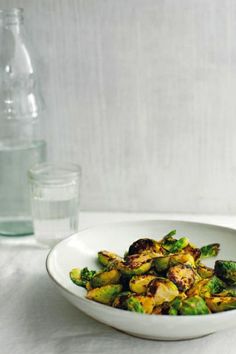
(12, 19)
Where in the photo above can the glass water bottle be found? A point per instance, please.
(21, 145)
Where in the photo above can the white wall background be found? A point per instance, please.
(142, 93)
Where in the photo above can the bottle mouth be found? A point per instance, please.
(12, 15)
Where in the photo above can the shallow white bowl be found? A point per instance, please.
(80, 250)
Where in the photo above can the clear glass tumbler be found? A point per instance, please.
(54, 201)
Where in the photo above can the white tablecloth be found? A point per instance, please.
(35, 318)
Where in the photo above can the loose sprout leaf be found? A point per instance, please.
(211, 250)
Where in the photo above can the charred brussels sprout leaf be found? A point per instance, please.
(104, 278)
(226, 270)
(81, 276)
(162, 290)
(228, 293)
(139, 283)
(204, 271)
(219, 304)
(215, 285)
(210, 250)
(182, 275)
(179, 245)
(106, 294)
(194, 306)
(144, 245)
(107, 258)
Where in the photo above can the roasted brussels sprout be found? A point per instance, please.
(194, 251)
(219, 304)
(106, 258)
(105, 294)
(194, 306)
(140, 303)
(144, 245)
(162, 290)
(175, 306)
(81, 276)
(135, 264)
(134, 305)
(207, 287)
(182, 275)
(210, 250)
(120, 300)
(104, 278)
(226, 270)
(139, 283)
(204, 271)
(162, 264)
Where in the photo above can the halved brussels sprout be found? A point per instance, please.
(194, 251)
(194, 306)
(104, 278)
(135, 264)
(219, 304)
(140, 303)
(226, 270)
(120, 300)
(144, 245)
(162, 290)
(162, 264)
(105, 294)
(204, 271)
(182, 275)
(139, 283)
(207, 287)
(210, 250)
(175, 306)
(81, 276)
(106, 258)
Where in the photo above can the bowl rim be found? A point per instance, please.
(218, 315)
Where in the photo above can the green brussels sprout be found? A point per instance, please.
(135, 264)
(107, 258)
(144, 245)
(182, 275)
(138, 283)
(204, 271)
(215, 285)
(162, 290)
(134, 305)
(211, 250)
(162, 264)
(120, 300)
(219, 304)
(147, 302)
(104, 278)
(105, 294)
(175, 306)
(194, 306)
(226, 270)
(81, 276)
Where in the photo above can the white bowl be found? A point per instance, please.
(80, 250)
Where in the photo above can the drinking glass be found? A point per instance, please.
(54, 201)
